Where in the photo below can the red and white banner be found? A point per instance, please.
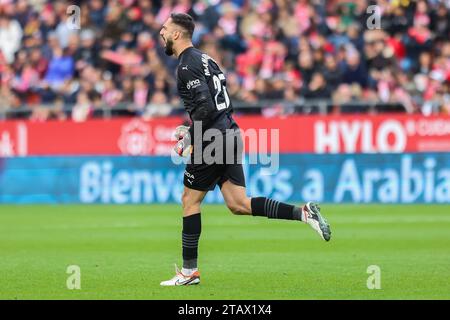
(358, 134)
(297, 134)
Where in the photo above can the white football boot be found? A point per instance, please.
(181, 280)
(311, 215)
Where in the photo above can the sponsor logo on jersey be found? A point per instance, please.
(193, 84)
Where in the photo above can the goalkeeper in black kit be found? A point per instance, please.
(202, 88)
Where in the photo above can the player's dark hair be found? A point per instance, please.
(185, 21)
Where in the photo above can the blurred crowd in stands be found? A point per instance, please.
(271, 50)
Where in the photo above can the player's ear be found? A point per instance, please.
(177, 34)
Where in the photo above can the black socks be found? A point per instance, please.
(273, 209)
(192, 227)
(261, 206)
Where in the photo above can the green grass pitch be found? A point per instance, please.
(125, 251)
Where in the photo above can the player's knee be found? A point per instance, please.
(185, 201)
(188, 204)
(184, 198)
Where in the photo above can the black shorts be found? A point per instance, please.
(205, 176)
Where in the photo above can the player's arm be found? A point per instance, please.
(195, 82)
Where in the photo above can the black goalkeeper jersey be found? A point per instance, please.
(202, 87)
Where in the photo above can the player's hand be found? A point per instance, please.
(183, 146)
(181, 132)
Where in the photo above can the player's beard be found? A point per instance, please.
(169, 47)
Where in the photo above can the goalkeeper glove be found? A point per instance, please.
(180, 132)
(183, 146)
